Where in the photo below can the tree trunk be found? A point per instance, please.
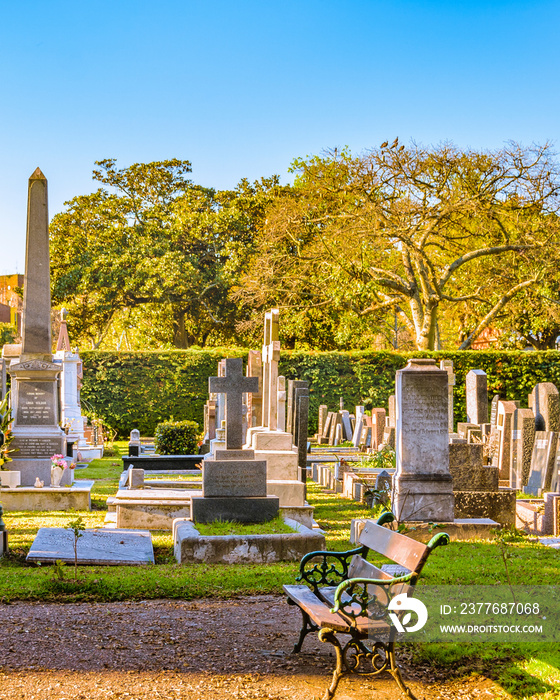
(180, 339)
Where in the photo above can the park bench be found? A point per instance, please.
(345, 594)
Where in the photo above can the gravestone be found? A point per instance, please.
(346, 425)
(447, 366)
(233, 482)
(494, 410)
(280, 404)
(134, 444)
(504, 427)
(322, 417)
(254, 401)
(543, 462)
(545, 403)
(378, 417)
(522, 440)
(358, 425)
(423, 484)
(477, 396)
(392, 411)
(35, 405)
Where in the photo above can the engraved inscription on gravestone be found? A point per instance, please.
(36, 447)
(36, 403)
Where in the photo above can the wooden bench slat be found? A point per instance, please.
(315, 608)
(393, 545)
(360, 568)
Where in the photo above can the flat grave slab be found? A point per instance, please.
(95, 547)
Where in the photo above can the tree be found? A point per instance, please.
(156, 244)
(410, 231)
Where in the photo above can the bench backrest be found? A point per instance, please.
(398, 548)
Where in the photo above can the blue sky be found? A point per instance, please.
(241, 88)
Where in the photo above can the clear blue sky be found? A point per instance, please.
(242, 87)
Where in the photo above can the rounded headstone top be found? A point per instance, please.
(63, 314)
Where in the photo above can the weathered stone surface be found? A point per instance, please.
(76, 497)
(475, 478)
(242, 510)
(545, 403)
(423, 485)
(498, 506)
(543, 461)
(494, 410)
(378, 426)
(232, 478)
(447, 366)
(151, 514)
(288, 492)
(392, 410)
(346, 425)
(463, 429)
(523, 438)
(465, 455)
(502, 458)
(190, 546)
(95, 547)
(254, 399)
(477, 396)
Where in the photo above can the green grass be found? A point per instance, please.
(522, 672)
(221, 528)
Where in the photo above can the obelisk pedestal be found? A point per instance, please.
(34, 395)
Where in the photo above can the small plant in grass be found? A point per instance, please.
(58, 570)
(77, 526)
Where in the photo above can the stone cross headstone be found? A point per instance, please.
(423, 484)
(545, 403)
(233, 385)
(36, 432)
(477, 396)
(447, 366)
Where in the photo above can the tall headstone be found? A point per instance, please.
(358, 425)
(522, 440)
(423, 484)
(392, 411)
(477, 396)
(37, 435)
(447, 366)
(254, 401)
(378, 417)
(545, 402)
(502, 457)
(543, 463)
(494, 411)
(281, 404)
(233, 482)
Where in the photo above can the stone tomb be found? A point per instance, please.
(234, 482)
(95, 547)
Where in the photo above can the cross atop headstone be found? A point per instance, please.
(233, 385)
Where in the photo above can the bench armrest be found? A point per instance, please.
(329, 571)
(354, 597)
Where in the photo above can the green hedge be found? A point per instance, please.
(141, 389)
(177, 438)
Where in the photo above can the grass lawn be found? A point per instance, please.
(523, 671)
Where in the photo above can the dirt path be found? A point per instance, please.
(209, 649)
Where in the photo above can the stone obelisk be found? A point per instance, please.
(37, 435)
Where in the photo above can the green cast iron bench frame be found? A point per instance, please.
(345, 594)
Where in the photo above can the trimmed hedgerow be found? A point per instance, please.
(177, 438)
(141, 389)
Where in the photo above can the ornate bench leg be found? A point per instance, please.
(328, 635)
(306, 627)
(396, 673)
